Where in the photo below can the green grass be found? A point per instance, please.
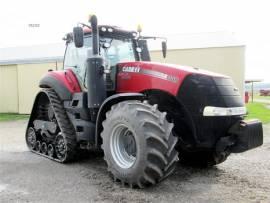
(256, 96)
(259, 111)
(255, 110)
(12, 116)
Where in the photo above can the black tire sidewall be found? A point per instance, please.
(136, 127)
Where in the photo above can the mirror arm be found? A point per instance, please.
(84, 25)
(153, 37)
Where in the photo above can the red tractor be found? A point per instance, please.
(264, 92)
(144, 116)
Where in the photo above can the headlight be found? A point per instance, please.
(103, 29)
(222, 111)
(110, 30)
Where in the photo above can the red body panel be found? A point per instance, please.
(68, 79)
(141, 76)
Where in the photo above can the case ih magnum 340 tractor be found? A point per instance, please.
(145, 116)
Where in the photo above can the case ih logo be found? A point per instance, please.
(131, 69)
(153, 73)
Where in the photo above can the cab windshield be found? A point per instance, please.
(113, 50)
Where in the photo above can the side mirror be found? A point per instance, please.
(78, 36)
(164, 48)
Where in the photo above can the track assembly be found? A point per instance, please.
(50, 134)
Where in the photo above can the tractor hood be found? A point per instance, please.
(174, 79)
(177, 71)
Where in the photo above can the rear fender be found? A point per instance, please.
(64, 83)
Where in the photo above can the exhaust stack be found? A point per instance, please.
(95, 34)
(95, 71)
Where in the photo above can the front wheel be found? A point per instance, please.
(138, 143)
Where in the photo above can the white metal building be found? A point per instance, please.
(22, 67)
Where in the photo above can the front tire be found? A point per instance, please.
(138, 144)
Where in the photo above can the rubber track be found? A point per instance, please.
(65, 126)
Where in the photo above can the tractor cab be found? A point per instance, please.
(115, 46)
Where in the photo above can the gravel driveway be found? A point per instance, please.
(26, 177)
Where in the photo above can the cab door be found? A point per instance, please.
(75, 59)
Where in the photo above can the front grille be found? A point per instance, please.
(198, 91)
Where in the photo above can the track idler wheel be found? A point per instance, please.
(50, 150)
(31, 138)
(38, 146)
(60, 147)
(44, 148)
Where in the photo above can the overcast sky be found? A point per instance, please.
(249, 20)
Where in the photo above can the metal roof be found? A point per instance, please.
(32, 54)
(253, 80)
(55, 52)
(199, 40)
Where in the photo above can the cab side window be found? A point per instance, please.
(75, 59)
(70, 57)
